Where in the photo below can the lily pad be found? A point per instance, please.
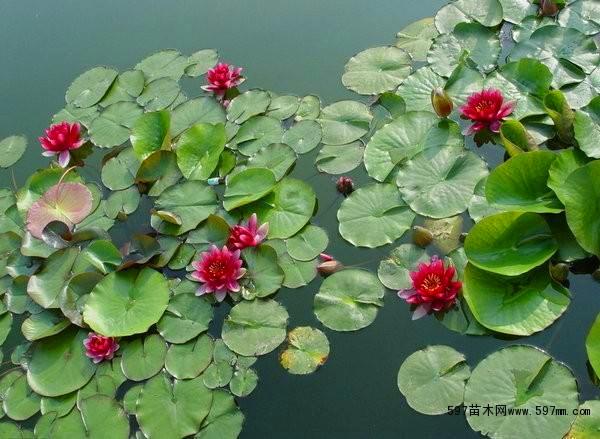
(225, 419)
(510, 243)
(519, 184)
(263, 272)
(416, 38)
(172, 409)
(12, 149)
(45, 286)
(150, 133)
(440, 183)
(278, 157)
(143, 358)
(96, 411)
(159, 94)
(243, 382)
(416, 89)
(373, 216)
(303, 136)
(127, 302)
(516, 305)
(344, 122)
(89, 87)
(113, 126)
(59, 365)
(186, 316)
(393, 272)
(308, 243)
(377, 70)
(43, 324)
(119, 172)
(164, 64)
(283, 107)
(587, 423)
(348, 300)
(521, 377)
(188, 360)
(19, 401)
(198, 150)
(406, 136)
(592, 345)
(587, 128)
(339, 159)
(257, 133)
(248, 104)
(307, 350)
(255, 328)
(434, 379)
(200, 110)
(248, 186)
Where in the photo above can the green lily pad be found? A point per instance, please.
(128, 86)
(308, 243)
(406, 136)
(160, 170)
(519, 184)
(188, 360)
(122, 202)
(59, 365)
(186, 316)
(348, 300)
(339, 159)
(119, 172)
(198, 150)
(440, 183)
(393, 272)
(287, 209)
(592, 345)
(374, 215)
(89, 87)
(303, 136)
(307, 350)
(248, 104)
(344, 122)
(200, 110)
(296, 273)
(201, 62)
(255, 328)
(434, 379)
(243, 382)
(587, 128)
(523, 377)
(96, 411)
(510, 243)
(283, 107)
(191, 202)
(43, 324)
(309, 108)
(225, 419)
(587, 423)
(143, 358)
(19, 401)
(517, 305)
(164, 64)
(247, 186)
(150, 133)
(172, 409)
(377, 70)
(481, 45)
(257, 133)
(159, 94)
(416, 38)
(579, 193)
(263, 272)
(113, 126)
(218, 374)
(61, 405)
(12, 149)
(127, 302)
(416, 89)
(277, 157)
(45, 286)
(516, 10)
(553, 45)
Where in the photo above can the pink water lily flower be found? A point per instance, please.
(219, 271)
(434, 288)
(223, 77)
(247, 236)
(60, 139)
(486, 109)
(98, 347)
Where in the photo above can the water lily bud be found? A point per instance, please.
(559, 272)
(441, 102)
(345, 186)
(325, 257)
(329, 267)
(548, 8)
(422, 236)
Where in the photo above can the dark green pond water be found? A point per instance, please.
(297, 47)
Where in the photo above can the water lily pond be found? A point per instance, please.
(342, 220)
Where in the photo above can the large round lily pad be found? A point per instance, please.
(127, 302)
(344, 122)
(520, 184)
(510, 243)
(440, 183)
(308, 349)
(89, 87)
(349, 300)
(188, 360)
(517, 305)
(59, 365)
(434, 379)
(521, 377)
(143, 358)
(255, 328)
(373, 216)
(198, 150)
(377, 70)
(176, 408)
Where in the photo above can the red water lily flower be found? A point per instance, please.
(247, 236)
(98, 347)
(219, 271)
(433, 288)
(486, 109)
(223, 77)
(345, 185)
(60, 139)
